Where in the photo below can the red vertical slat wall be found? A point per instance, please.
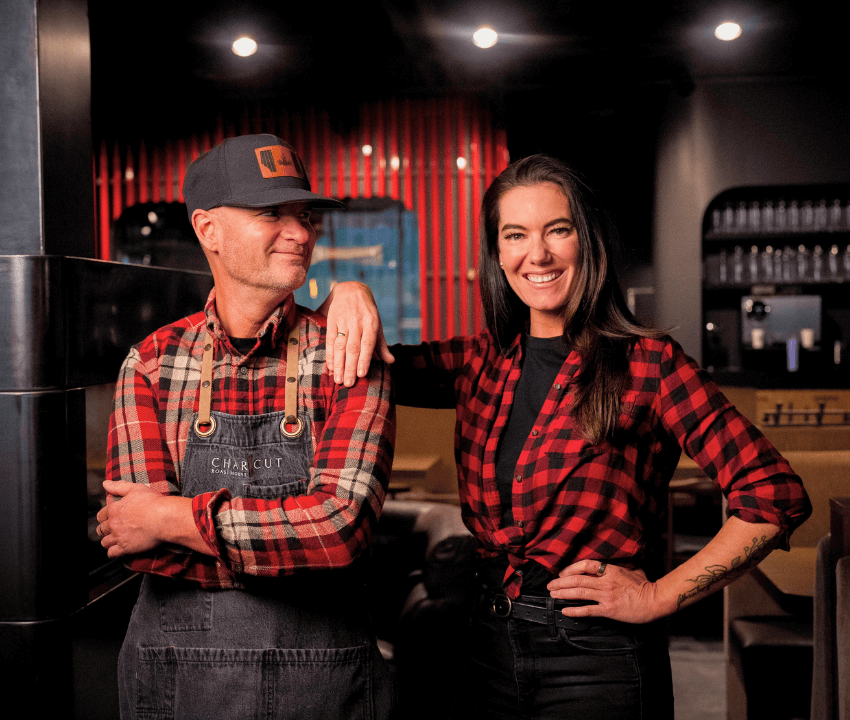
(435, 155)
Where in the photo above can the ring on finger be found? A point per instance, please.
(340, 334)
(600, 571)
(98, 530)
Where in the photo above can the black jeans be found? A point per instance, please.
(601, 670)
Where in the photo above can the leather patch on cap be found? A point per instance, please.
(276, 161)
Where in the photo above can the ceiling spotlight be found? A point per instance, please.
(244, 46)
(485, 37)
(727, 31)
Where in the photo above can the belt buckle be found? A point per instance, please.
(502, 606)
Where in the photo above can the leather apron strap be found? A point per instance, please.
(291, 425)
(290, 398)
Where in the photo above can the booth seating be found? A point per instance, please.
(421, 587)
(831, 676)
(770, 645)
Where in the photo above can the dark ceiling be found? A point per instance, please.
(175, 53)
(586, 81)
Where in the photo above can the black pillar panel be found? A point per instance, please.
(46, 190)
(44, 475)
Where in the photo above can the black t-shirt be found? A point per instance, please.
(541, 362)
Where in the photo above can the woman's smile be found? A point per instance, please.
(538, 252)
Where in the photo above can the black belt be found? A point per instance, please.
(549, 613)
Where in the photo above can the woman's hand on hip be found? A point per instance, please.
(619, 593)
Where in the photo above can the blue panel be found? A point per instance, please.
(379, 248)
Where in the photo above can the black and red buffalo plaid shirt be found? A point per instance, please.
(352, 429)
(573, 500)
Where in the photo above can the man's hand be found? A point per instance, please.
(354, 332)
(144, 519)
(129, 526)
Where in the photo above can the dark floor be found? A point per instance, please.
(699, 678)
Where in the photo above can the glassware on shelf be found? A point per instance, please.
(817, 264)
(768, 219)
(781, 217)
(766, 264)
(803, 264)
(834, 221)
(789, 264)
(821, 216)
(833, 264)
(793, 217)
(723, 275)
(716, 221)
(754, 217)
(753, 264)
(738, 265)
(741, 217)
(777, 265)
(728, 223)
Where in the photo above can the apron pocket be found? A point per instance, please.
(204, 683)
(272, 492)
(185, 609)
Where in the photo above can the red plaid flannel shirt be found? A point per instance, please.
(353, 432)
(573, 500)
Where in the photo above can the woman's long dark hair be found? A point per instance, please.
(597, 321)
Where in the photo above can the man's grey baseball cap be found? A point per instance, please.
(250, 171)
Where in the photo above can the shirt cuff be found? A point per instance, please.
(204, 509)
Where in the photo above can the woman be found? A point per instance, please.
(571, 418)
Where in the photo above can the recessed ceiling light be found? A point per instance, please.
(727, 31)
(485, 37)
(244, 46)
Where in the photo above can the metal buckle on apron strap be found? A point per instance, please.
(205, 424)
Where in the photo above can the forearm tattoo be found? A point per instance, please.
(720, 573)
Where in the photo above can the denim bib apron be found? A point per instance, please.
(299, 646)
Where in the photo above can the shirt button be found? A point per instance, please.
(519, 573)
(243, 371)
(534, 433)
(520, 524)
(557, 386)
(518, 478)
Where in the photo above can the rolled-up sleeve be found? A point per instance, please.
(759, 484)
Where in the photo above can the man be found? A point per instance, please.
(249, 482)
